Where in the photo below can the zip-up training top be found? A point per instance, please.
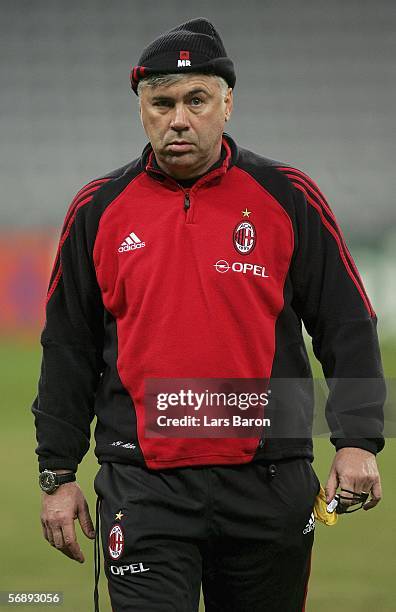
(154, 280)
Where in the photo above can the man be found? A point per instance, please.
(199, 261)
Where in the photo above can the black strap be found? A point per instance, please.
(97, 554)
(63, 478)
(356, 498)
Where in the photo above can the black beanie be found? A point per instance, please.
(194, 46)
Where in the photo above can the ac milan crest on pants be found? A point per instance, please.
(116, 542)
(239, 531)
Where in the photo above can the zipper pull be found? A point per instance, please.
(186, 201)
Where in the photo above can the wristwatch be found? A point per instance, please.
(50, 481)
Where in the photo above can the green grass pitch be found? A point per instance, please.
(353, 563)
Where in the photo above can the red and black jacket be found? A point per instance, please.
(135, 294)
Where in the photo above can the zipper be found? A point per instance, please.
(187, 206)
(187, 198)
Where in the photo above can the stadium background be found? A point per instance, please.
(315, 88)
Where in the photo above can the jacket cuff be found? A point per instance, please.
(58, 463)
(373, 445)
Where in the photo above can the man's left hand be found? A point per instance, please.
(355, 469)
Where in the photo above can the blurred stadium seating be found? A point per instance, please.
(315, 88)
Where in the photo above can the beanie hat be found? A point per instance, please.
(194, 46)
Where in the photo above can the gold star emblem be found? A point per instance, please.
(118, 516)
(246, 212)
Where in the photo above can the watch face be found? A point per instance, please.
(47, 481)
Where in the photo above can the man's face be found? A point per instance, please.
(185, 122)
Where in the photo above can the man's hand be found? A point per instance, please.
(355, 469)
(58, 513)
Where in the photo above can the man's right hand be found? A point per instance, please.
(58, 513)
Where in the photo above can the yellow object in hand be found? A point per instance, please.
(320, 510)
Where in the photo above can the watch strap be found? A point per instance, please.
(63, 478)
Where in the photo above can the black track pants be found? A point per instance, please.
(244, 532)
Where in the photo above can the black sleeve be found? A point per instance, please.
(72, 342)
(332, 302)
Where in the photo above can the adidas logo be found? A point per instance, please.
(310, 526)
(131, 243)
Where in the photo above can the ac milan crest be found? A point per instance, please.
(116, 542)
(244, 237)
